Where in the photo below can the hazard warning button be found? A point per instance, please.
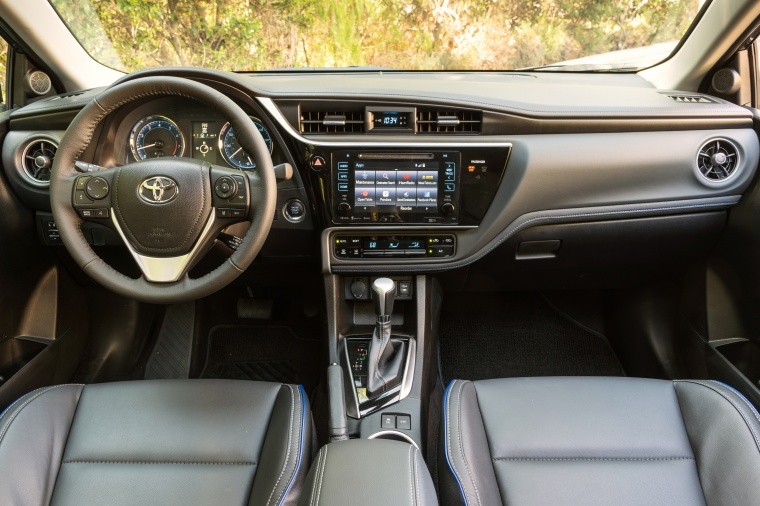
(317, 163)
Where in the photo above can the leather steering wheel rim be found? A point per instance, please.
(263, 190)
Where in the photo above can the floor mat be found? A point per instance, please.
(262, 353)
(497, 335)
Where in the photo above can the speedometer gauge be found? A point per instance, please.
(156, 136)
(233, 151)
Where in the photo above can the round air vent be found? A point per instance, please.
(717, 161)
(37, 161)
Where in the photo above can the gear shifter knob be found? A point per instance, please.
(383, 294)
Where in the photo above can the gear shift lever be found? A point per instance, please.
(384, 367)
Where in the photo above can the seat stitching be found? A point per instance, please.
(160, 462)
(290, 440)
(461, 446)
(297, 443)
(610, 459)
(416, 478)
(736, 406)
(411, 475)
(448, 449)
(739, 394)
(316, 472)
(26, 403)
(322, 477)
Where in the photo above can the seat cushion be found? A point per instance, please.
(156, 442)
(598, 441)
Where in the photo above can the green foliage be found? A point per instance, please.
(413, 34)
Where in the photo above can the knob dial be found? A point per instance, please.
(447, 210)
(344, 209)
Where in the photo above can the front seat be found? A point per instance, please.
(178, 442)
(598, 441)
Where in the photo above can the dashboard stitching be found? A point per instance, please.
(522, 225)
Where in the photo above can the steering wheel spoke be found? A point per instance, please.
(171, 268)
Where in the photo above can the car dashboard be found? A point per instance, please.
(431, 172)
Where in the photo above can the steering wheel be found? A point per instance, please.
(168, 211)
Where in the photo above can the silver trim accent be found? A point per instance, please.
(383, 433)
(274, 111)
(166, 269)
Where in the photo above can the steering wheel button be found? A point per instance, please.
(225, 188)
(101, 213)
(224, 213)
(82, 182)
(97, 188)
(80, 198)
(87, 213)
(237, 213)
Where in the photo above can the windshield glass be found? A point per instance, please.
(247, 35)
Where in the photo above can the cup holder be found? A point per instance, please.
(394, 435)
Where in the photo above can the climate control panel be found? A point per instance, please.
(408, 247)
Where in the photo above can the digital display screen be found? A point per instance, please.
(407, 185)
(205, 141)
(390, 119)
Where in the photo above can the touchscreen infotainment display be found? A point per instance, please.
(411, 186)
(395, 187)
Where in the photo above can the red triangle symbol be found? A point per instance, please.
(317, 162)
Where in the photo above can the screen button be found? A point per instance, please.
(343, 176)
(406, 196)
(342, 166)
(386, 196)
(365, 177)
(450, 187)
(385, 177)
(342, 187)
(427, 196)
(427, 178)
(364, 195)
(407, 178)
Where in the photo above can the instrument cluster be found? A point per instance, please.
(211, 140)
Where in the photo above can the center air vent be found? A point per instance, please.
(332, 122)
(717, 161)
(448, 121)
(37, 160)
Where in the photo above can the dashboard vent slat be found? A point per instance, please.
(332, 122)
(717, 160)
(692, 99)
(37, 160)
(448, 121)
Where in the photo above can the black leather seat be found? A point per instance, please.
(598, 441)
(179, 442)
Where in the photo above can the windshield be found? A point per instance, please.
(248, 35)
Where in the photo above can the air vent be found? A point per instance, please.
(692, 99)
(68, 95)
(332, 122)
(717, 161)
(37, 160)
(448, 121)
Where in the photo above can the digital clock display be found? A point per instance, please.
(390, 120)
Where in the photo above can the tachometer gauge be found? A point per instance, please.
(156, 136)
(233, 151)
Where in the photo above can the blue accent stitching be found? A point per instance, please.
(446, 397)
(300, 453)
(741, 396)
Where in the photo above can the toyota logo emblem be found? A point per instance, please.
(158, 190)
